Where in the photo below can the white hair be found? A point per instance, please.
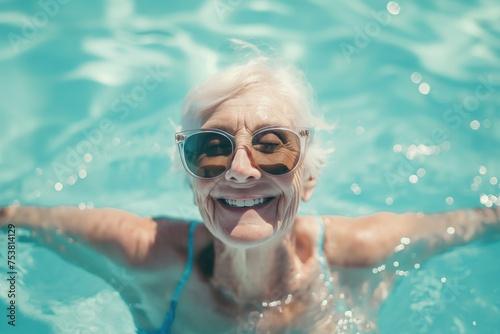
(261, 72)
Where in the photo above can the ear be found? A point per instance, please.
(308, 188)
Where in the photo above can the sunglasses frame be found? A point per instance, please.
(304, 134)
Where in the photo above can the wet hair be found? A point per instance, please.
(278, 77)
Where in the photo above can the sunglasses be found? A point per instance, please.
(208, 153)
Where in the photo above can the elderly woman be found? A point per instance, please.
(247, 145)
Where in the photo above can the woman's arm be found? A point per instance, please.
(367, 241)
(121, 236)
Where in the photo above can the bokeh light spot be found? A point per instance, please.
(424, 88)
(416, 77)
(393, 7)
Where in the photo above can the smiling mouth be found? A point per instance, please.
(244, 203)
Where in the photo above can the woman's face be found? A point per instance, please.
(270, 202)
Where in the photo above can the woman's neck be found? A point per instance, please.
(260, 274)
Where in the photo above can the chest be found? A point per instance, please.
(200, 309)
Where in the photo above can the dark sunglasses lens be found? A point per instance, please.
(207, 154)
(276, 151)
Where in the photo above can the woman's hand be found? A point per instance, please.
(6, 214)
(3, 215)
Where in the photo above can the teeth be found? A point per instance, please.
(243, 202)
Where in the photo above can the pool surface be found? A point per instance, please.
(90, 97)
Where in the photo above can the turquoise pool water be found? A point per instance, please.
(90, 93)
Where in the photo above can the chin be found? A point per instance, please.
(247, 236)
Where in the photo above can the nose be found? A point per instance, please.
(242, 168)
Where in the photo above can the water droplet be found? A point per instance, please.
(450, 230)
(411, 152)
(389, 201)
(413, 179)
(421, 172)
(416, 77)
(443, 279)
(493, 180)
(424, 88)
(474, 125)
(58, 186)
(449, 200)
(72, 180)
(356, 189)
(87, 157)
(82, 173)
(482, 170)
(484, 199)
(397, 148)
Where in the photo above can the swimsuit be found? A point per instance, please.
(323, 263)
(170, 316)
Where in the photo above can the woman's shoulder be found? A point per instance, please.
(173, 235)
(337, 235)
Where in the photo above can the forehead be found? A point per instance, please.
(251, 110)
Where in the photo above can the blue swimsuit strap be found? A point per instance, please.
(323, 263)
(170, 316)
(340, 305)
